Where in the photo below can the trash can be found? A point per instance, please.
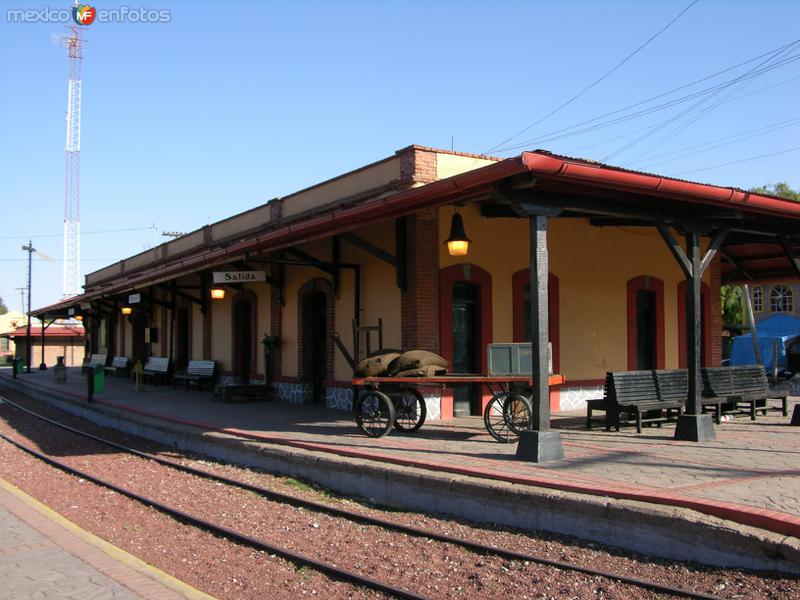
(99, 377)
(60, 371)
(17, 365)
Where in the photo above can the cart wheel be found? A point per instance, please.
(409, 410)
(517, 412)
(374, 413)
(495, 420)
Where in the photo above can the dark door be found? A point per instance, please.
(139, 347)
(242, 340)
(645, 330)
(318, 334)
(181, 338)
(466, 338)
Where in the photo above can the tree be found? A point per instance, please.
(781, 189)
(3, 307)
(732, 305)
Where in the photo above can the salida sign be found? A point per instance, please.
(239, 276)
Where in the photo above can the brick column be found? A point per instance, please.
(716, 311)
(419, 304)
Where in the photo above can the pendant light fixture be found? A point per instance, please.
(457, 242)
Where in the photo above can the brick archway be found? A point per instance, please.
(467, 273)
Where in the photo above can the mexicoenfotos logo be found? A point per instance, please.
(84, 14)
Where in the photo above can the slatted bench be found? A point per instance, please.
(717, 391)
(641, 396)
(119, 364)
(94, 360)
(198, 372)
(751, 388)
(741, 390)
(156, 367)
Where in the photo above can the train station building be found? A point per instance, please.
(306, 282)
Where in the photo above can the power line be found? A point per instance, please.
(732, 139)
(573, 129)
(747, 78)
(736, 162)
(576, 150)
(591, 85)
(98, 232)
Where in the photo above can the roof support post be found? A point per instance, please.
(43, 365)
(693, 425)
(539, 443)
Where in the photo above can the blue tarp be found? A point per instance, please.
(742, 350)
(778, 326)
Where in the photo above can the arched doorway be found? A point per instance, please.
(465, 310)
(243, 336)
(645, 323)
(315, 325)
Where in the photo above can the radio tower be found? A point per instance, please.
(72, 177)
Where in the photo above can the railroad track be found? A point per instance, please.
(303, 560)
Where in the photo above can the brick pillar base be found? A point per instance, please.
(716, 311)
(419, 304)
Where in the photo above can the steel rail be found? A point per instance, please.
(226, 532)
(379, 522)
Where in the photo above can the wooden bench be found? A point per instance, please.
(94, 360)
(641, 396)
(198, 372)
(734, 388)
(717, 391)
(155, 368)
(751, 388)
(119, 364)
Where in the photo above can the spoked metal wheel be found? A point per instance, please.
(517, 412)
(409, 409)
(506, 415)
(374, 413)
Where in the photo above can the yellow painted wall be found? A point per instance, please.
(593, 266)
(448, 165)
(380, 297)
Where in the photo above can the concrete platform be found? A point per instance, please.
(732, 502)
(42, 555)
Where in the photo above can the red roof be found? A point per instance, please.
(49, 332)
(560, 174)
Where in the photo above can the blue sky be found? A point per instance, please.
(231, 103)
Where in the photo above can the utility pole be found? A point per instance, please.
(28, 342)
